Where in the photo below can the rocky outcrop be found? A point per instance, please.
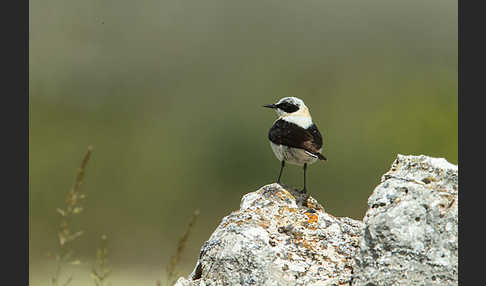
(280, 237)
(410, 228)
(273, 239)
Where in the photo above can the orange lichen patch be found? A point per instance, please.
(312, 217)
(284, 195)
(265, 224)
(239, 223)
(281, 210)
(310, 245)
(290, 256)
(307, 245)
(313, 204)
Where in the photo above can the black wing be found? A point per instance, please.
(292, 135)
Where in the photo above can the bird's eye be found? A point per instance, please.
(288, 107)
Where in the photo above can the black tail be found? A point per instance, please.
(321, 157)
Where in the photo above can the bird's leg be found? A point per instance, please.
(281, 169)
(304, 190)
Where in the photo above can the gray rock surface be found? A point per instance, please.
(277, 237)
(274, 240)
(410, 229)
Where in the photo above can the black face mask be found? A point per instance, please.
(287, 107)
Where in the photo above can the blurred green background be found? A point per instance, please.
(169, 93)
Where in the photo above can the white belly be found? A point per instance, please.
(292, 155)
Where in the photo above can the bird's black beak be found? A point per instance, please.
(270, 106)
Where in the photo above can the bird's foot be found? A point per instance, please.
(305, 197)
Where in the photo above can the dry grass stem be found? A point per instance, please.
(100, 270)
(73, 206)
(174, 261)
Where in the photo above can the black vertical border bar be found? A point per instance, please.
(471, 122)
(25, 107)
(14, 120)
(23, 131)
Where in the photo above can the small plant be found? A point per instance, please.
(66, 235)
(100, 270)
(175, 259)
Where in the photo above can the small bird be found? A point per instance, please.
(294, 137)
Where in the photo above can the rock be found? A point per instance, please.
(273, 239)
(280, 237)
(184, 282)
(410, 229)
